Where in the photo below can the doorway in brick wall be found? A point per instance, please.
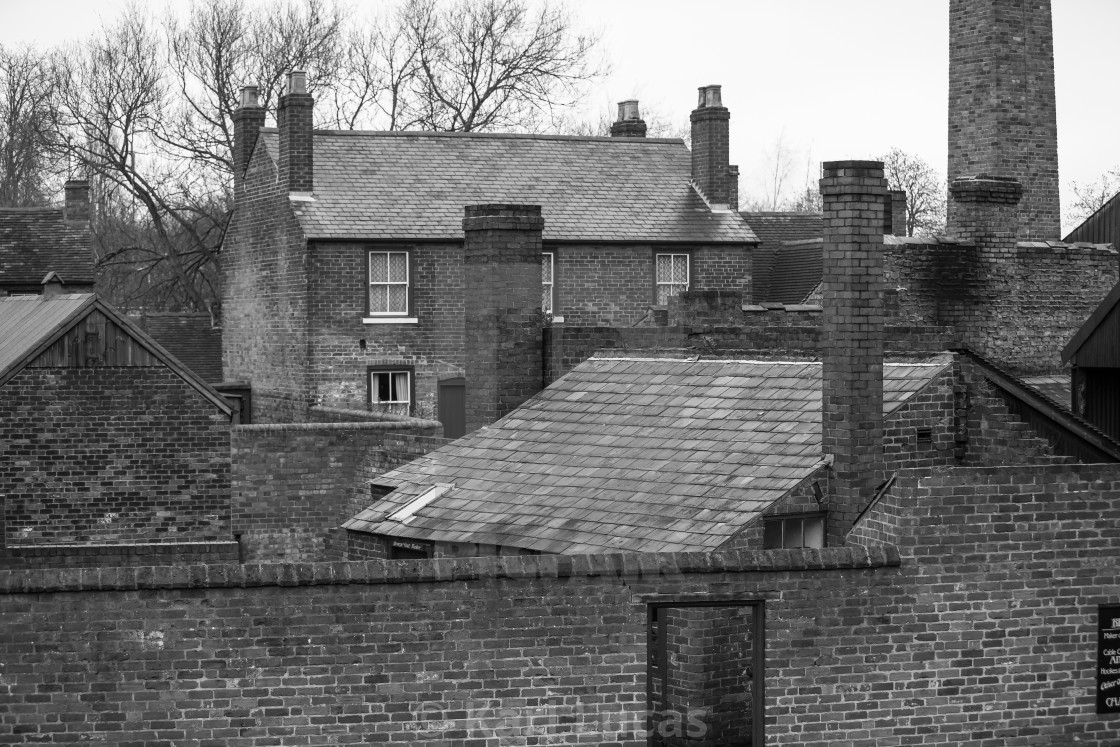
(705, 674)
(451, 406)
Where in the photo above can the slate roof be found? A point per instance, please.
(190, 337)
(1058, 388)
(412, 185)
(35, 241)
(629, 454)
(30, 325)
(787, 262)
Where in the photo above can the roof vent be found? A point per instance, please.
(408, 512)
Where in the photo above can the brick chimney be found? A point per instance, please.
(504, 323)
(76, 201)
(248, 119)
(987, 210)
(853, 193)
(1002, 106)
(630, 122)
(896, 212)
(711, 124)
(294, 120)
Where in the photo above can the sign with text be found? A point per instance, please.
(1108, 660)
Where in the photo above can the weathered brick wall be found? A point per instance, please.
(342, 347)
(613, 286)
(1002, 106)
(1017, 304)
(294, 485)
(121, 554)
(264, 300)
(112, 455)
(984, 634)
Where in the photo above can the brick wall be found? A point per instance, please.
(112, 456)
(1002, 106)
(984, 634)
(265, 301)
(1017, 304)
(295, 484)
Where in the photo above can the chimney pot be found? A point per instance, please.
(249, 97)
(710, 96)
(297, 81)
(628, 110)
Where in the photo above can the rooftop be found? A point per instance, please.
(629, 454)
(414, 185)
(35, 241)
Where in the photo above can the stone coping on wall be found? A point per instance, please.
(379, 425)
(167, 547)
(376, 572)
(949, 241)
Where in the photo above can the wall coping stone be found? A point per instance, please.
(376, 572)
(379, 425)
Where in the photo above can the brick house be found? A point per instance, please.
(113, 449)
(35, 242)
(344, 261)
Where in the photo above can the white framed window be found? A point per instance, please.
(789, 532)
(548, 273)
(388, 283)
(390, 390)
(671, 276)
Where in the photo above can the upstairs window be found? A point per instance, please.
(792, 532)
(388, 283)
(671, 276)
(548, 269)
(390, 390)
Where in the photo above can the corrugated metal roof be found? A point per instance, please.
(643, 455)
(26, 323)
(35, 241)
(393, 185)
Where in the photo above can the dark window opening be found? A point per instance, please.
(792, 532)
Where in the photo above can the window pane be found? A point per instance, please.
(398, 298)
(398, 267)
(664, 268)
(381, 387)
(814, 532)
(664, 292)
(793, 535)
(400, 386)
(546, 269)
(546, 298)
(378, 267)
(378, 298)
(680, 269)
(772, 535)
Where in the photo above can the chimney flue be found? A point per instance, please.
(630, 122)
(854, 195)
(248, 119)
(294, 116)
(76, 206)
(711, 124)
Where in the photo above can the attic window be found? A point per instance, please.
(406, 514)
(377, 492)
(791, 532)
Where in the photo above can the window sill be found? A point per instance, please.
(557, 320)
(390, 320)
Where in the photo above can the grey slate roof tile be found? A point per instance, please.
(35, 241)
(675, 482)
(409, 186)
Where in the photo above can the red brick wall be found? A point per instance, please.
(112, 455)
(264, 300)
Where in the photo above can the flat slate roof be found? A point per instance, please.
(414, 185)
(629, 454)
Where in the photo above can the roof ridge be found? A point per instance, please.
(497, 136)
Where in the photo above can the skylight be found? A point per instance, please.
(408, 512)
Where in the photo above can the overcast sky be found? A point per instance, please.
(830, 79)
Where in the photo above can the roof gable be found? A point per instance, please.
(36, 241)
(1104, 312)
(414, 185)
(630, 454)
(30, 326)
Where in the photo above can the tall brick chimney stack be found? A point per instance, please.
(711, 125)
(248, 119)
(294, 119)
(630, 122)
(76, 201)
(1002, 106)
(504, 323)
(854, 195)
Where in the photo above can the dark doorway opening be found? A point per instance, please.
(452, 407)
(705, 674)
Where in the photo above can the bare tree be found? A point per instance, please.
(31, 162)
(494, 65)
(925, 191)
(1090, 197)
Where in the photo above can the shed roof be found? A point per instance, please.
(414, 185)
(629, 454)
(1097, 321)
(35, 241)
(30, 325)
(788, 260)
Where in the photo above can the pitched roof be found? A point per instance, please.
(629, 454)
(1100, 315)
(190, 337)
(30, 325)
(414, 185)
(778, 227)
(788, 259)
(35, 241)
